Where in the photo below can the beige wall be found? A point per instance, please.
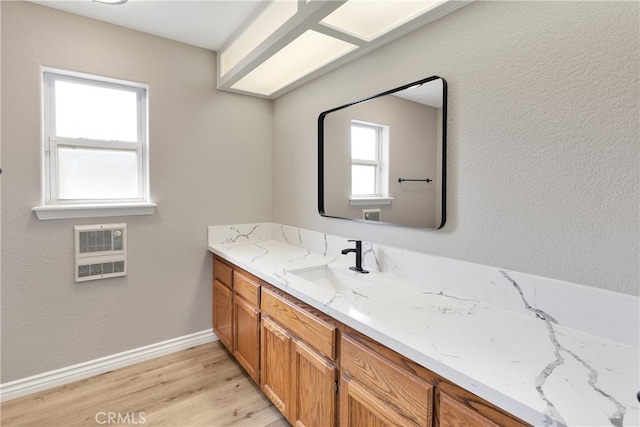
(542, 138)
(210, 164)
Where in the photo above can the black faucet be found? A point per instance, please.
(358, 252)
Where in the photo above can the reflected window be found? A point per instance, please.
(368, 170)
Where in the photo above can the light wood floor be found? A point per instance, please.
(201, 386)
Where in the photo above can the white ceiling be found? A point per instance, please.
(202, 23)
(429, 93)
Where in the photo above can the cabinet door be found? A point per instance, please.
(246, 336)
(314, 388)
(275, 365)
(361, 408)
(409, 396)
(454, 414)
(223, 313)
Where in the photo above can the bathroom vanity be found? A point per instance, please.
(330, 346)
(313, 367)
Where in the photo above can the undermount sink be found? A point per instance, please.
(331, 278)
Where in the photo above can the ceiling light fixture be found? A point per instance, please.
(286, 43)
(368, 19)
(111, 1)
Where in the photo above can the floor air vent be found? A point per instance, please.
(101, 251)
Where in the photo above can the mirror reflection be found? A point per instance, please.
(382, 159)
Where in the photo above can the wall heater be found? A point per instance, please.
(371, 214)
(101, 251)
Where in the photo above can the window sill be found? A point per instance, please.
(371, 201)
(93, 211)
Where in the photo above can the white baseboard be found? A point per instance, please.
(24, 386)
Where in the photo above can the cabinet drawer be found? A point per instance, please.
(298, 318)
(222, 272)
(247, 287)
(458, 407)
(410, 396)
(453, 414)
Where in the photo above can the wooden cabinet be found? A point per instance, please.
(298, 353)
(223, 302)
(223, 313)
(246, 323)
(360, 407)
(314, 381)
(459, 408)
(222, 272)
(246, 336)
(236, 314)
(305, 322)
(455, 414)
(275, 365)
(381, 389)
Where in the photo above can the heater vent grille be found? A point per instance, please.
(371, 214)
(101, 251)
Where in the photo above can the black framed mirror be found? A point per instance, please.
(383, 159)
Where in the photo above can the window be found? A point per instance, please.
(95, 145)
(369, 176)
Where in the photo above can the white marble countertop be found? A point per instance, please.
(529, 365)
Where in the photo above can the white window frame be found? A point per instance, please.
(381, 184)
(55, 208)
